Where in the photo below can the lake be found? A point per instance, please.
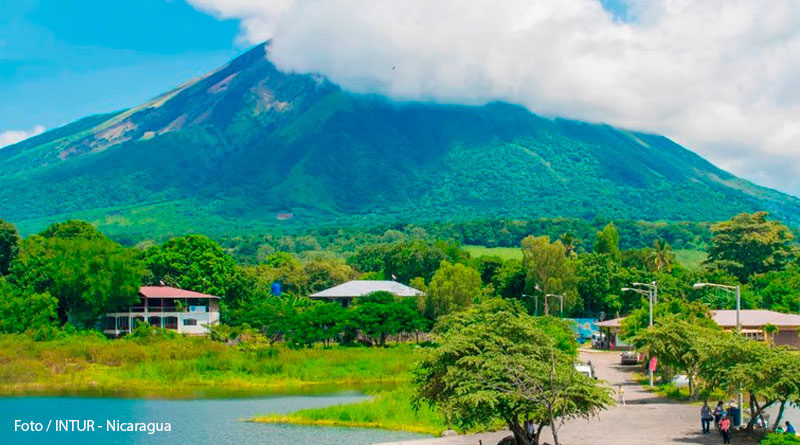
(195, 421)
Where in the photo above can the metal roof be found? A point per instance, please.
(170, 292)
(360, 288)
(613, 323)
(755, 318)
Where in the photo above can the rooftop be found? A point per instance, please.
(755, 318)
(170, 292)
(360, 288)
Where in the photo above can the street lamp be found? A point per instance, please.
(561, 297)
(652, 296)
(738, 292)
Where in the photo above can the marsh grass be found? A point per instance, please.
(86, 362)
(392, 410)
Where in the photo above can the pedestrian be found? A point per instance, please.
(718, 410)
(706, 417)
(621, 395)
(725, 428)
(790, 429)
(530, 430)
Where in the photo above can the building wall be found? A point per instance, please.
(787, 337)
(203, 319)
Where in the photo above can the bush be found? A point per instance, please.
(780, 439)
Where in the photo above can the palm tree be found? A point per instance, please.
(570, 244)
(661, 256)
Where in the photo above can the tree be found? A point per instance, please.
(570, 244)
(324, 273)
(192, 262)
(607, 242)
(750, 244)
(547, 266)
(321, 322)
(88, 276)
(9, 245)
(23, 309)
(492, 362)
(377, 316)
(678, 344)
(453, 287)
(661, 257)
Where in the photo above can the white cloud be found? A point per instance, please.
(720, 76)
(13, 136)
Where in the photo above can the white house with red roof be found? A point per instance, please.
(184, 311)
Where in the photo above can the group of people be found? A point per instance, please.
(723, 421)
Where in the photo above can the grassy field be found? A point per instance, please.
(145, 367)
(690, 259)
(506, 253)
(390, 410)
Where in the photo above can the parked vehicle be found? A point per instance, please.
(629, 358)
(586, 369)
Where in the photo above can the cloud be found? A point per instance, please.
(719, 76)
(13, 136)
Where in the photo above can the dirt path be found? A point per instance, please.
(644, 419)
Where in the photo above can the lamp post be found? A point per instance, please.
(652, 296)
(738, 292)
(561, 297)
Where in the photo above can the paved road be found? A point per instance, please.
(644, 419)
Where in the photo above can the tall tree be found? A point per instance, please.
(192, 262)
(661, 257)
(23, 309)
(607, 242)
(9, 245)
(88, 274)
(492, 361)
(547, 266)
(749, 244)
(453, 287)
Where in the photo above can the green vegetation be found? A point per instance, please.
(392, 410)
(716, 360)
(691, 259)
(505, 253)
(164, 364)
(494, 362)
(780, 439)
(335, 158)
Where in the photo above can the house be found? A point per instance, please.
(754, 320)
(346, 292)
(184, 311)
(610, 330)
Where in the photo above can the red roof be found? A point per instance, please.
(170, 292)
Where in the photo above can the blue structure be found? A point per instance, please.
(584, 328)
(276, 288)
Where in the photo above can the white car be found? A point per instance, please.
(585, 369)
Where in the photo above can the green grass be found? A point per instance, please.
(506, 253)
(690, 259)
(85, 363)
(390, 410)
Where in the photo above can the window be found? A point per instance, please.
(109, 323)
(190, 322)
(154, 322)
(171, 322)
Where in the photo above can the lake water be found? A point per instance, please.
(198, 421)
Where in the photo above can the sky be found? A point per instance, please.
(720, 77)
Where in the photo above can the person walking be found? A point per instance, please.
(790, 429)
(621, 395)
(725, 428)
(706, 417)
(718, 410)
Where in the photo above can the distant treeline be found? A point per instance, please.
(488, 232)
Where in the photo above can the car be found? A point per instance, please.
(629, 358)
(586, 369)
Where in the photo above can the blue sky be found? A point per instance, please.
(61, 60)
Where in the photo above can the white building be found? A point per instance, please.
(346, 292)
(184, 311)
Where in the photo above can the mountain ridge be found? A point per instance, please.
(234, 148)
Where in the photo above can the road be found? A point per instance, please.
(644, 419)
